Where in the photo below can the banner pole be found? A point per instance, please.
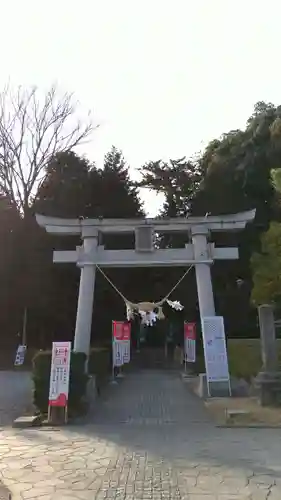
(112, 368)
(113, 381)
(24, 339)
(112, 348)
(208, 386)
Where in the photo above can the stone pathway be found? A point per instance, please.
(149, 439)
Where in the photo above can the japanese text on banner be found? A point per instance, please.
(190, 342)
(121, 343)
(59, 376)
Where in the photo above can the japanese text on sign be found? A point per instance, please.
(215, 349)
(20, 355)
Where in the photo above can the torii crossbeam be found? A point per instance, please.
(197, 251)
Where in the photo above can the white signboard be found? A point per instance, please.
(20, 355)
(59, 376)
(215, 349)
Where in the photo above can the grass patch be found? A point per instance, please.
(255, 415)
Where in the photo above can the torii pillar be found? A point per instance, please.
(203, 271)
(82, 338)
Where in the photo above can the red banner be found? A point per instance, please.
(190, 331)
(121, 330)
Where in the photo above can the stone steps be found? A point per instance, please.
(153, 359)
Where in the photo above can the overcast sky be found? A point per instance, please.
(163, 77)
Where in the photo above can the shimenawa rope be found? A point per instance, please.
(157, 304)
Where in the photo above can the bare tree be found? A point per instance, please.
(33, 128)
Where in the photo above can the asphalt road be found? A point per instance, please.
(15, 395)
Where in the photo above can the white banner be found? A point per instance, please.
(117, 349)
(21, 350)
(126, 351)
(215, 349)
(189, 342)
(121, 340)
(59, 376)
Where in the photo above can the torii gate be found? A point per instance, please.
(199, 252)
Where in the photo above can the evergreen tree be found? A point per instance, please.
(73, 187)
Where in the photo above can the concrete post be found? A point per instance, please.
(268, 338)
(268, 380)
(82, 339)
(203, 272)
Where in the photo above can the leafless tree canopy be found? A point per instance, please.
(33, 128)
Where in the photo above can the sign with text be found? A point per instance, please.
(59, 376)
(215, 349)
(121, 337)
(189, 342)
(20, 355)
(126, 343)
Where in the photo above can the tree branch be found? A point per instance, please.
(33, 128)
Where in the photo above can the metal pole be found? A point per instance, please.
(229, 387)
(208, 386)
(113, 381)
(138, 337)
(24, 333)
(112, 368)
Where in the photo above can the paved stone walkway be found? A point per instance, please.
(150, 439)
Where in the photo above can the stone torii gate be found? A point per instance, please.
(199, 251)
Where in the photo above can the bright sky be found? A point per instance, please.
(163, 78)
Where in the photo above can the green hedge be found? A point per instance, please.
(244, 357)
(100, 360)
(77, 381)
(99, 365)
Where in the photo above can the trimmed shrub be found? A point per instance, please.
(100, 360)
(77, 381)
(199, 365)
(244, 357)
